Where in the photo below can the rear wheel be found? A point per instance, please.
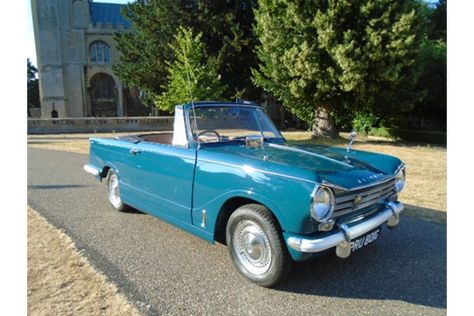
(113, 192)
(256, 245)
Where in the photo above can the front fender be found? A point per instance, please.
(289, 199)
(219, 201)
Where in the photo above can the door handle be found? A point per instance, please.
(135, 151)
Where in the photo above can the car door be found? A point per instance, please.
(162, 179)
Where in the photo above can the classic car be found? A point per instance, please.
(227, 174)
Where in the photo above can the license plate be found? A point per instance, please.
(365, 240)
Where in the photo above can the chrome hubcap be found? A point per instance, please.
(252, 247)
(114, 192)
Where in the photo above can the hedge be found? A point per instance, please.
(411, 135)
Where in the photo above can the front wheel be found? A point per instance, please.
(113, 192)
(256, 245)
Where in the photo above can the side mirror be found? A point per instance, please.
(352, 137)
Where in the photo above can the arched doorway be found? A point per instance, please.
(103, 95)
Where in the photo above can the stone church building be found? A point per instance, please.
(75, 55)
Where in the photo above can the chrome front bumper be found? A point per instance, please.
(342, 239)
(92, 170)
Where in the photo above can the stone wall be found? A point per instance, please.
(93, 125)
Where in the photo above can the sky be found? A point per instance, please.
(31, 50)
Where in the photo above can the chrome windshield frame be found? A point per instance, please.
(192, 141)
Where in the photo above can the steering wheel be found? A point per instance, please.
(210, 131)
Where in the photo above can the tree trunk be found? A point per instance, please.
(282, 117)
(324, 124)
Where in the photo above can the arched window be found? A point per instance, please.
(103, 95)
(99, 52)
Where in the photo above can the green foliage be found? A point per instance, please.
(437, 25)
(33, 98)
(227, 36)
(144, 51)
(433, 79)
(317, 53)
(31, 70)
(227, 28)
(191, 75)
(364, 121)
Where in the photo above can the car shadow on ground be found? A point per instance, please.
(407, 264)
(426, 213)
(132, 210)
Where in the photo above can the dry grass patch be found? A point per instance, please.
(76, 143)
(61, 281)
(80, 147)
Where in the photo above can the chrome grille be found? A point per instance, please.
(345, 201)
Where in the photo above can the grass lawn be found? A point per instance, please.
(426, 165)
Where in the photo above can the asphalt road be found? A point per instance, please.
(165, 270)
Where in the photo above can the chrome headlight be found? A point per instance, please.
(400, 181)
(323, 204)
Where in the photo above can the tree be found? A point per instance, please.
(33, 99)
(320, 57)
(433, 81)
(437, 22)
(433, 61)
(227, 36)
(145, 50)
(192, 76)
(227, 28)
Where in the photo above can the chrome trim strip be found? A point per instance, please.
(376, 190)
(402, 165)
(301, 151)
(168, 154)
(320, 244)
(345, 211)
(345, 232)
(92, 170)
(257, 170)
(333, 186)
(204, 219)
(329, 215)
(363, 186)
(348, 207)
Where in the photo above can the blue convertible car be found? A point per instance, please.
(227, 174)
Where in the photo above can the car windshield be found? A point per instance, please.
(226, 123)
